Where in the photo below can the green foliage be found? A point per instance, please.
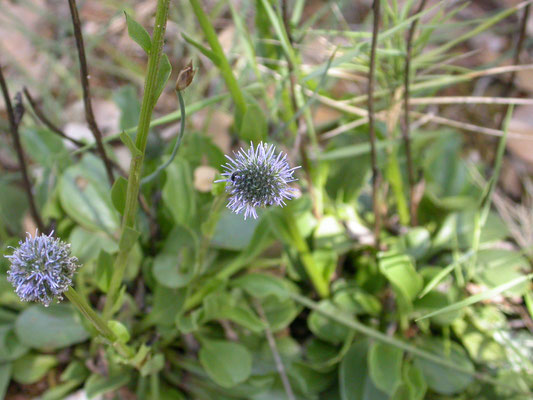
(300, 303)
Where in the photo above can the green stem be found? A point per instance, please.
(97, 322)
(134, 180)
(159, 169)
(222, 62)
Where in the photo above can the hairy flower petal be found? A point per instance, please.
(257, 178)
(41, 268)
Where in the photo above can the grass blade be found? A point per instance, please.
(479, 297)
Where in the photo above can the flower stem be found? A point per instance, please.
(148, 103)
(97, 322)
(160, 169)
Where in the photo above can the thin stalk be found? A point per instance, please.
(97, 322)
(516, 58)
(160, 169)
(84, 76)
(134, 180)
(275, 353)
(376, 175)
(13, 127)
(55, 129)
(407, 119)
(223, 64)
(49, 124)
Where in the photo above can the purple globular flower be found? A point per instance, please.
(258, 178)
(41, 268)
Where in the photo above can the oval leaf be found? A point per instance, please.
(50, 328)
(227, 363)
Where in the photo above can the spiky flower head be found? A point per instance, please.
(258, 178)
(41, 268)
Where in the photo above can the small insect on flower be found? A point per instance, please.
(41, 268)
(258, 178)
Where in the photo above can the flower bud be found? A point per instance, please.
(185, 77)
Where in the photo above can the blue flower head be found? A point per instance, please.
(41, 268)
(257, 178)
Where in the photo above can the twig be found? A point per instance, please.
(55, 129)
(275, 353)
(13, 125)
(471, 127)
(84, 75)
(49, 124)
(470, 100)
(376, 176)
(406, 131)
(516, 58)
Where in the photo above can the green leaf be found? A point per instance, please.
(138, 33)
(118, 193)
(163, 73)
(254, 124)
(178, 192)
(415, 382)
(127, 100)
(32, 368)
(227, 363)
(400, 271)
(204, 50)
(130, 144)
(279, 313)
(5, 376)
(487, 294)
(60, 392)
(441, 379)
(104, 271)
(385, 366)
(120, 331)
(233, 232)
(84, 195)
(76, 371)
(401, 392)
(167, 303)
(174, 267)
(10, 346)
(354, 380)
(153, 365)
(323, 327)
(50, 328)
(86, 245)
(13, 207)
(98, 385)
(261, 285)
(220, 306)
(498, 266)
(44, 147)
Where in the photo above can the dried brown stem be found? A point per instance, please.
(13, 125)
(49, 124)
(84, 75)
(406, 131)
(376, 175)
(516, 59)
(55, 129)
